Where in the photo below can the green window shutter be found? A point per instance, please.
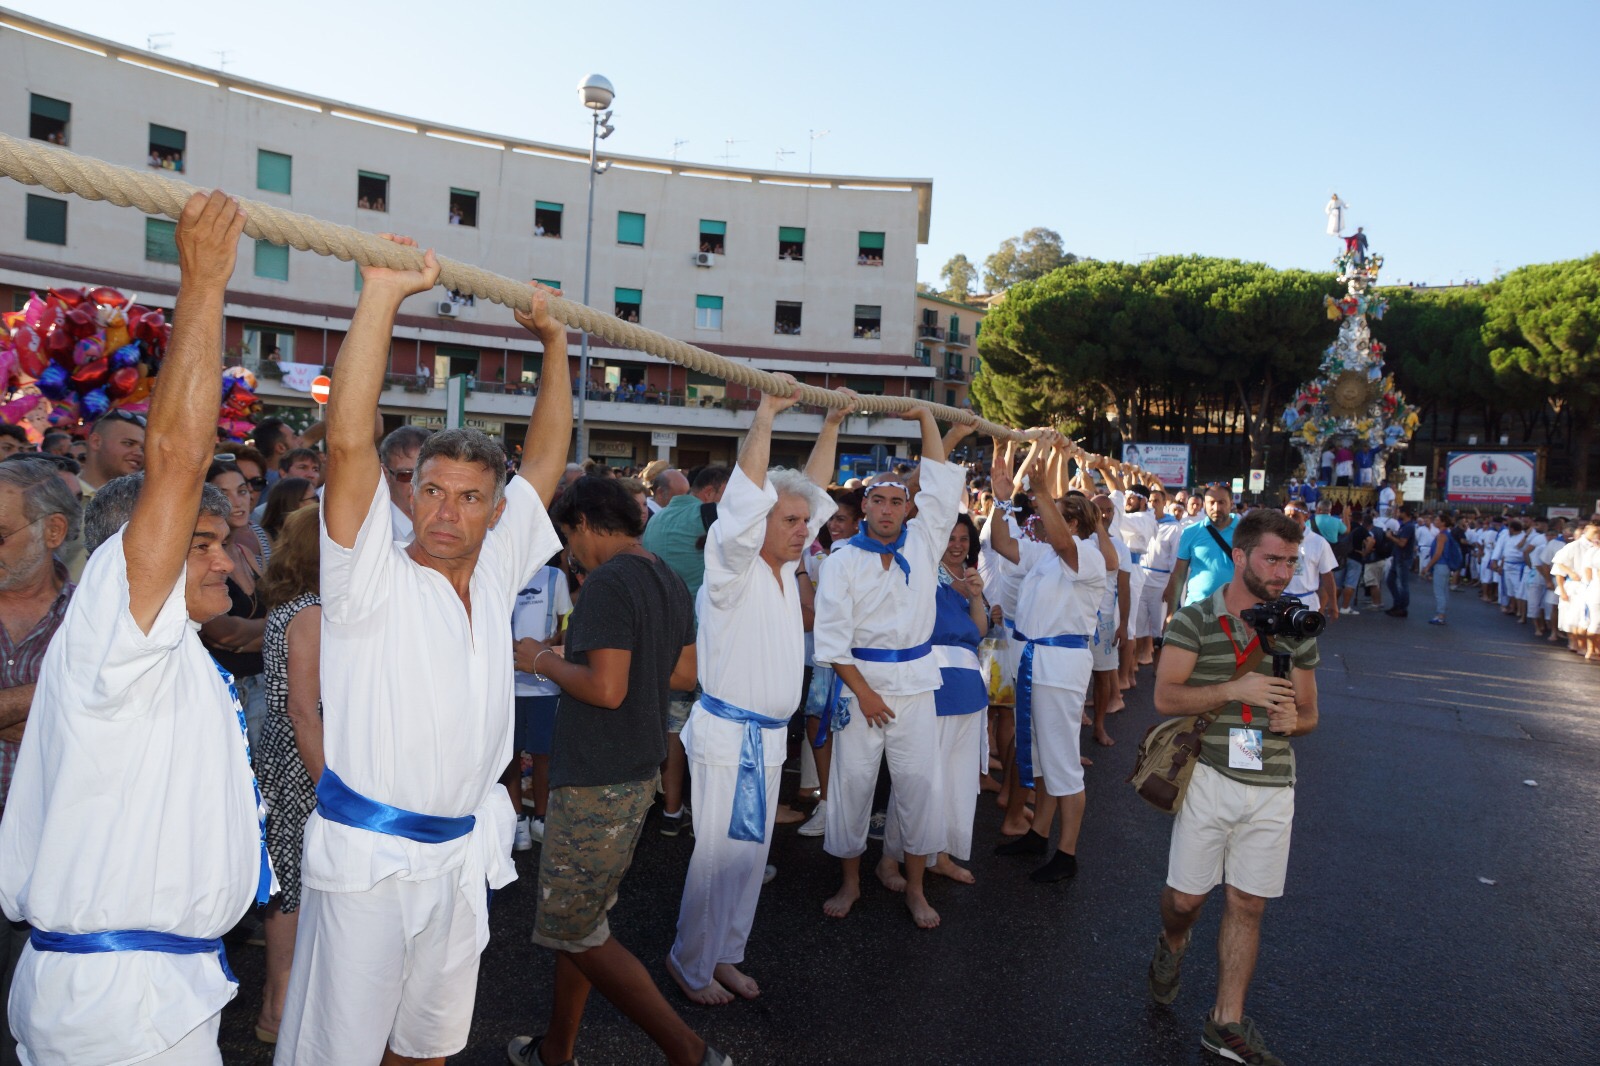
(955, 325)
(160, 240)
(272, 261)
(373, 176)
(167, 137)
(977, 328)
(792, 234)
(452, 352)
(462, 192)
(630, 228)
(546, 205)
(48, 107)
(274, 171)
(548, 283)
(871, 241)
(869, 311)
(712, 228)
(47, 220)
(630, 296)
(712, 302)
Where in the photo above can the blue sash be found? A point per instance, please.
(264, 880)
(869, 655)
(1136, 556)
(749, 821)
(338, 802)
(1024, 708)
(130, 940)
(1156, 569)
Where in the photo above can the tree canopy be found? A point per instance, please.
(1033, 255)
(958, 275)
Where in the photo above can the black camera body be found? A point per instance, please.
(1285, 616)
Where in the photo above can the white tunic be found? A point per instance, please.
(417, 699)
(1163, 550)
(862, 604)
(751, 641)
(132, 808)
(1315, 559)
(1002, 579)
(1057, 600)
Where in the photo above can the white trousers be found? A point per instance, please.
(199, 1048)
(1057, 728)
(724, 881)
(910, 741)
(961, 752)
(1151, 608)
(395, 966)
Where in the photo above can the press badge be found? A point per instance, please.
(1244, 749)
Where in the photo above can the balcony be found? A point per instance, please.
(959, 340)
(954, 373)
(928, 332)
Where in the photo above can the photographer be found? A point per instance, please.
(1239, 808)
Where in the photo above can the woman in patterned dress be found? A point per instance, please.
(289, 760)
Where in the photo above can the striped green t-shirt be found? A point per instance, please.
(1196, 628)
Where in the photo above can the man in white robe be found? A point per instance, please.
(751, 660)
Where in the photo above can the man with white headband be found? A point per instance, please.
(874, 623)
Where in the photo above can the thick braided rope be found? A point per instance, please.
(37, 163)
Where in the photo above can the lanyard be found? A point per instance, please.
(1239, 657)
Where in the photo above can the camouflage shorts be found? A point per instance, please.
(679, 704)
(589, 837)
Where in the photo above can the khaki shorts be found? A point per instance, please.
(1372, 573)
(589, 837)
(1230, 830)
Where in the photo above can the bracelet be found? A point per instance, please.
(535, 663)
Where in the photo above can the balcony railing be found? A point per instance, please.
(930, 332)
(959, 339)
(953, 373)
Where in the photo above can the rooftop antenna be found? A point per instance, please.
(157, 42)
(727, 152)
(675, 146)
(781, 154)
(816, 135)
(222, 58)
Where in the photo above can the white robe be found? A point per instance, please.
(1335, 211)
(750, 651)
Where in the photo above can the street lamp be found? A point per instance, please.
(596, 94)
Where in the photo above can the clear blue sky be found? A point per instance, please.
(1465, 135)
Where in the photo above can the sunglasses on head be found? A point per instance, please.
(124, 416)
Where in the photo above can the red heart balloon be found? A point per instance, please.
(67, 297)
(122, 382)
(91, 375)
(106, 296)
(81, 322)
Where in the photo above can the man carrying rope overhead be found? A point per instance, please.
(412, 826)
(133, 836)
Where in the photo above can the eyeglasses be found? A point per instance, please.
(124, 416)
(7, 536)
(257, 483)
(402, 476)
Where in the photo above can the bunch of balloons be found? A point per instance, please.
(82, 351)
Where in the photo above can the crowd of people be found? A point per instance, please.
(341, 687)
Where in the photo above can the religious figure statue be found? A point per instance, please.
(1335, 212)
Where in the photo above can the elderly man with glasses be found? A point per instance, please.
(398, 453)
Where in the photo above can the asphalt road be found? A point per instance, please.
(1441, 907)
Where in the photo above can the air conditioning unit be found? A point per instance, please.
(448, 309)
(705, 259)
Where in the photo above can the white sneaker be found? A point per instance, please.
(524, 840)
(536, 829)
(817, 824)
(768, 874)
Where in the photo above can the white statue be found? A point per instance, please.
(1335, 212)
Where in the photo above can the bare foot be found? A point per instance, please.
(925, 916)
(1116, 705)
(1016, 827)
(787, 815)
(730, 977)
(712, 995)
(838, 905)
(1146, 662)
(946, 867)
(1084, 760)
(889, 874)
(987, 784)
(1102, 738)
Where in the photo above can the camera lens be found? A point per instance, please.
(1304, 622)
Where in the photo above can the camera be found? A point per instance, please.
(1285, 616)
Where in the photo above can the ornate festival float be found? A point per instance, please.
(1352, 405)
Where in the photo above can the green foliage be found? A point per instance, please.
(1032, 255)
(958, 276)
(1544, 320)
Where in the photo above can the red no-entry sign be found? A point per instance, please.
(319, 388)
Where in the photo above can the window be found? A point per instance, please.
(930, 317)
(273, 171)
(372, 191)
(869, 320)
(630, 228)
(871, 249)
(924, 354)
(48, 119)
(463, 207)
(449, 361)
(547, 283)
(949, 397)
(713, 234)
(461, 299)
(792, 242)
(628, 301)
(160, 240)
(708, 312)
(546, 219)
(267, 344)
(865, 386)
(977, 365)
(167, 147)
(952, 365)
(272, 261)
(47, 220)
(787, 320)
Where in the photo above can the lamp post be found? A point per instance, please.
(595, 93)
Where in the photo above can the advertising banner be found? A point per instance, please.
(1490, 477)
(1169, 462)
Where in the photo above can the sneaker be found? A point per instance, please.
(875, 827)
(1436, 621)
(1238, 1041)
(713, 1057)
(524, 841)
(536, 828)
(524, 1051)
(1164, 971)
(817, 824)
(672, 824)
(1352, 609)
(768, 874)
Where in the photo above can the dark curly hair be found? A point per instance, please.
(600, 503)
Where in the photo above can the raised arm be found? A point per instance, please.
(932, 443)
(181, 434)
(755, 455)
(819, 468)
(357, 382)
(544, 455)
(1000, 538)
